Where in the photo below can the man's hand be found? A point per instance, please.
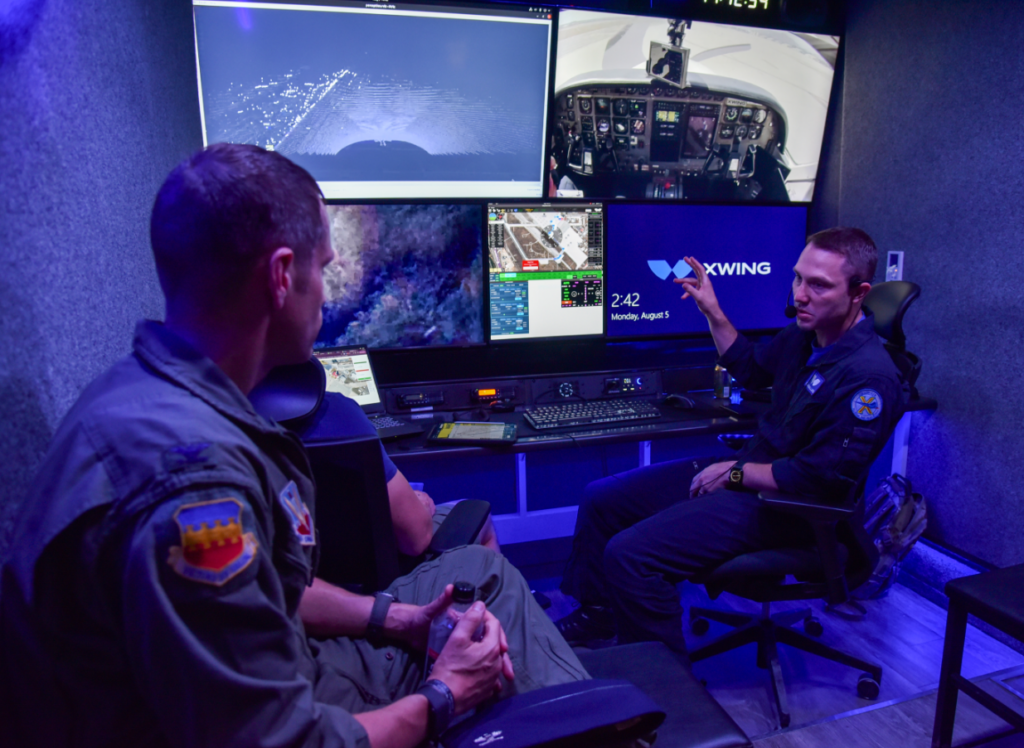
(428, 503)
(711, 478)
(473, 669)
(411, 623)
(699, 288)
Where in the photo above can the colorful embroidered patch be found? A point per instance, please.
(866, 405)
(298, 512)
(814, 382)
(213, 547)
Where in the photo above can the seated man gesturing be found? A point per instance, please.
(836, 397)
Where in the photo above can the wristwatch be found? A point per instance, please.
(375, 626)
(442, 707)
(736, 477)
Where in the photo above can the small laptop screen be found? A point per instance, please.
(348, 372)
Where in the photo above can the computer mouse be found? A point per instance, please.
(681, 402)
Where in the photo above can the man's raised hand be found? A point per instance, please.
(699, 288)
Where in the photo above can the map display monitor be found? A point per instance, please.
(739, 118)
(382, 100)
(546, 265)
(748, 253)
(404, 275)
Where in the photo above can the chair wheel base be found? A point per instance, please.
(867, 686)
(813, 627)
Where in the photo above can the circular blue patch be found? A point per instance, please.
(866, 405)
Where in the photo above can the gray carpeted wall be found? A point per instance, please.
(97, 103)
(931, 153)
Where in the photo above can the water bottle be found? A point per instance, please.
(723, 383)
(441, 627)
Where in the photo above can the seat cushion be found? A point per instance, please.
(996, 597)
(695, 719)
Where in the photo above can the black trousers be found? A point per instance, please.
(638, 534)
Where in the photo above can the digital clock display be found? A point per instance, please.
(741, 4)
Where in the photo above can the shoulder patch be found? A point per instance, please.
(213, 547)
(298, 513)
(866, 405)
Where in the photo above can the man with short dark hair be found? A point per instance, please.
(161, 586)
(836, 398)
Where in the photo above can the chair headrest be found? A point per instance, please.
(291, 393)
(888, 302)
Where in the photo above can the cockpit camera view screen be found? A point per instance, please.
(546, 264)
(748, 253)
(403, 276)
(382, 100)
(738, 116)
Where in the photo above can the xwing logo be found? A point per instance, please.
(662, 269)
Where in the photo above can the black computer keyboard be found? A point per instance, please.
(597, 411)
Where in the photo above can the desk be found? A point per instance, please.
(547, 470)
(539, 479)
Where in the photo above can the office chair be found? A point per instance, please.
(352, 506)
(842, 558)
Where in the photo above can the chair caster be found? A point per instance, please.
(813, 627)
(699, 626)
(867, 686)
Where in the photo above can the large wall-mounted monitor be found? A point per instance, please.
(383, 100)
(404, 275)
(748, 252)
(546, 265)
(661, 108)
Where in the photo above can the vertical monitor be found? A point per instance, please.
(748, 252)
(733, 114)
(382, 100)
(404, 275)
(546, 266)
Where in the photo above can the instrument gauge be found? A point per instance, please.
(731, 113)
(603, 126)
(760, 116)
(746, 114)
(586, 105)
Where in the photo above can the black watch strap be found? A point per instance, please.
(442, 706)
(736, 476)
(375, 626)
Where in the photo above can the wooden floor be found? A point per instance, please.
(902, 632)
(908, 724)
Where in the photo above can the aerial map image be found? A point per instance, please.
(538, 240)
(403, 275)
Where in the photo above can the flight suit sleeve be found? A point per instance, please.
(845, 437)
(753, 365)
(212, 631)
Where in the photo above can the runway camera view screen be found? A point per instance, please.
(382, 100)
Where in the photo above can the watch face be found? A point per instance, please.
(736, 475)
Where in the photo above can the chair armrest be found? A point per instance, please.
(462, 525)
(808, 507)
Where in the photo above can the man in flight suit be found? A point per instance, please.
(836, 397)
(161, 591)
